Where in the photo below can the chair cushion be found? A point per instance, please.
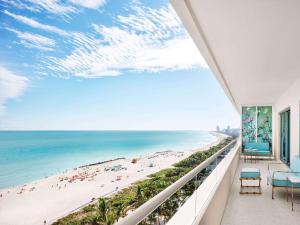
(256, 152)
(257, 146)
(250, 173)
(280, 179)
(263, 152)
(261, 149)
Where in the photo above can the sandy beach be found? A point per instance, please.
(56, 196)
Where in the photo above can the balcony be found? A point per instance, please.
(208, 191)
(261, 209)
(249, 54)
(216, 200)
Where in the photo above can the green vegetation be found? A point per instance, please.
(108, 210)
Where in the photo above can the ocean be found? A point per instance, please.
(26, 156)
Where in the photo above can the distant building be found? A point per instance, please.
(234, 132)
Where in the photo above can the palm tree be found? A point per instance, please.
(139, 198)
(120, 211)
(111, 218)
(103, 209)
(106, 214)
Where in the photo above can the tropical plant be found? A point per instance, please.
(103, 210)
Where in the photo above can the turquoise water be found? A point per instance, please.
(29, 155)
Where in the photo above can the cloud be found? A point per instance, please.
(149, 40)
(54, 6)
(57, 7)
(20, 5)
(92, 4)
(145, 39)
(94, 73)
(30, 40)
(12, 86)
(35, 24)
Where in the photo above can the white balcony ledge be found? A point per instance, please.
(200, 205)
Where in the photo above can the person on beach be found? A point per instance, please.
(45, 222)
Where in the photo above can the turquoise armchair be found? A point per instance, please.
(279, 178)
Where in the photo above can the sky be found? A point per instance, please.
(104, 65)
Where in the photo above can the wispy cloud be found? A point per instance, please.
(31, 40)
(54, 6)
(57, 7)
(92, 4)
(147, 40)
(12, 86)
(20, 5)
(35, 24)
(144, 39)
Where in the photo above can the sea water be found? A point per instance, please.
(30, 155)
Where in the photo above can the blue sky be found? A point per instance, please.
(103, 64)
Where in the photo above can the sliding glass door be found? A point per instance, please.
(285, 137)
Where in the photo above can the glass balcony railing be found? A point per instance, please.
(185, 201)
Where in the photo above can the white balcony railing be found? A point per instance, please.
(193, 209)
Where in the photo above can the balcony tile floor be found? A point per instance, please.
(260, 209)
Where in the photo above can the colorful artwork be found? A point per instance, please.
(264, 124)
(249, 124)
(257, 124)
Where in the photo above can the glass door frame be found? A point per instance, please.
(285, 126)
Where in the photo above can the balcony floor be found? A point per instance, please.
(259, 209)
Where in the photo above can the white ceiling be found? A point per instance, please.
(252, 46)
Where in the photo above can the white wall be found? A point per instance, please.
(289, 99)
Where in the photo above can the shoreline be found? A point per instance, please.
(64, 193)
(150, 154)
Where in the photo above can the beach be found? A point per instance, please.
(56, 196)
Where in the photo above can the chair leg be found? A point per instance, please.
(272, 192)
(287, 194)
